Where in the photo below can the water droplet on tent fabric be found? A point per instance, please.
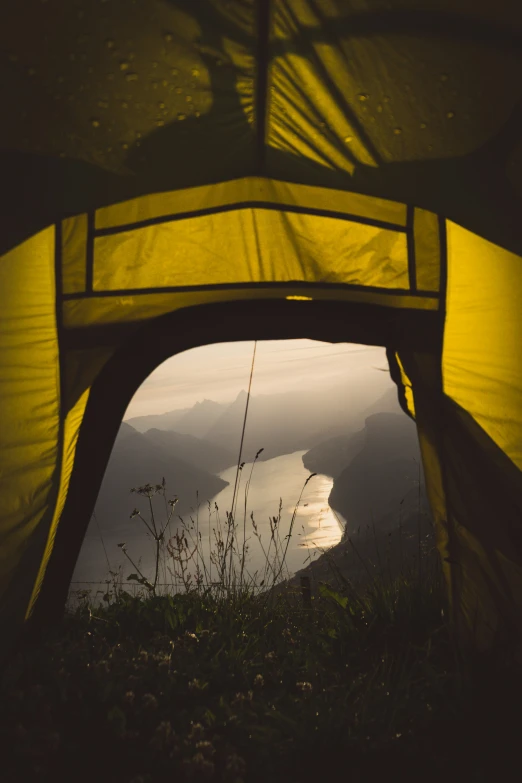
(110, 43)
(182, 116)
(188, 98)
(124, 65)
(95, 122)
(397, 131)
(444, 77)
(363, 96)
(450, 115)
(161, 105)
(131, 76)
(160, 123)
(179, 90)
(379, 108)
(174, 72)
(195, 72)
(348, 139)
(103, 104)
(168, 37)
(423, 125)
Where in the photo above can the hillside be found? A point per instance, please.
(376, 489)
(336, 451)
(381, 473)
(194, 451)
(136, 460)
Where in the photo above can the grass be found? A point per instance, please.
(249, 684)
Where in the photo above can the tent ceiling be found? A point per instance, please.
(107, 100)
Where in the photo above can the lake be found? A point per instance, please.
(316, 526)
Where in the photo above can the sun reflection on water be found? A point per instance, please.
(318, 525)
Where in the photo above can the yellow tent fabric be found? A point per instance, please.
(177, 172)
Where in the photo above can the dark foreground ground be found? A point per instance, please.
(361, 685)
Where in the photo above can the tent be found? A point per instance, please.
(179, 172)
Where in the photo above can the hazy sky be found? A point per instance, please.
(219, 372)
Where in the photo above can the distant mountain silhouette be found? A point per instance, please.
(136, 460)
(291, 421)
(199, 419)
(277, 423)
(194, 451)
(163, 421)
(194, 421)
(125, 431)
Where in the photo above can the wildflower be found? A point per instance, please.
(147, 490)
(258, 680)
(287, 633)
(144, 656)
(305, 687)
(173, 502)
(206, 748)
(149, 701)
(197, 732)
(129, 698)
(197, 685)
(270, 656)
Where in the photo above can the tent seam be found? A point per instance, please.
(205, 211)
